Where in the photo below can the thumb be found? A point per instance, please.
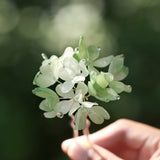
(82, 150)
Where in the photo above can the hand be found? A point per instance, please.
(123, 139)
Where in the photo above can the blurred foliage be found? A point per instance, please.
(30, 27)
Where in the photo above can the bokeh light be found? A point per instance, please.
(74, 20)
(8, 16)
(29, 22)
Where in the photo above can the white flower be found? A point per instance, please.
(76, 99)
(48, 73)
(71, 70)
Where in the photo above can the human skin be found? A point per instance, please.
(123, 139)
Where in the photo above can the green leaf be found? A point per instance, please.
(97, 114)
(82, 49)
(116, 64)
(120, 87)
(121, 74)
(103, 62)
(50, 114)
(44, 106)
(80, 119)
(44, 92)
(92, 52)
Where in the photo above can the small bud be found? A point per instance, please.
(44, 56)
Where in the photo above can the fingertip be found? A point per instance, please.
(74, 150)
(77, 152)
(66, 144)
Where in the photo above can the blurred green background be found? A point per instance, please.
(30, 27)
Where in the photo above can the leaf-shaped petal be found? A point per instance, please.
(91, 89)
(50, 114)
(93, 76)
(66, 74)
(78, 79)
(69, 94)
(91, 68)
(48, 74)
(101, 80)
(44, 80)
(103, 62)
(97, 114)
(67, 86)
(93, 52)
(72, 64)
(110, 94)
(80, 119)
(52, 101)
(82, 49)
(74, 108)
(65, 106)
(44, 106)
(121, 74)
(116, 64)
(43, 92)
(76, 56)
(106, 95)
(120, 87)
(67, 53)
(78, 97)
(81, 88)
(83, 68)
(89, 104)
(108, 76)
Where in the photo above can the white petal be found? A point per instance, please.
(67, 53)
(74, 107)
(66, 74)
(78, 79)
(44, 80)
(83, 68)
(69, 94)
(103, 62)
(72, 64)
(67, 86)
(79, 98)
(48, 73)
(82, 88)
(44, 106)
(89, 104)
(64, 106)
(50, 114)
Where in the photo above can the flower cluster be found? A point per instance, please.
(68, 74)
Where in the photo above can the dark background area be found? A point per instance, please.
(30, 27)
